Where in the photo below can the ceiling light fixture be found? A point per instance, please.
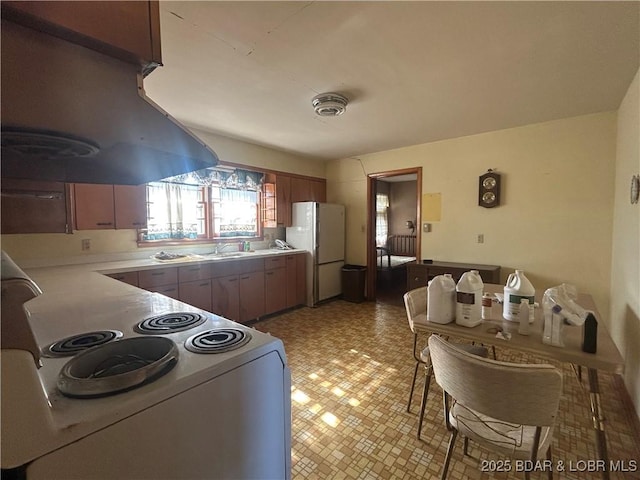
(329, 104)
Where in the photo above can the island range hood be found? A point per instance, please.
(71, 114)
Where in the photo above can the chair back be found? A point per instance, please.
(525, 394)
(415, 303)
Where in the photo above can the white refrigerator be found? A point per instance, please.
(319, 229)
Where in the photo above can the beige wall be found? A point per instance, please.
(33, 249)
(402, 197)
(557, 200)
(625, 267)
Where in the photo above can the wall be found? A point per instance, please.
(38, 249)
(625, 265)
(557, 200)
(402, 199)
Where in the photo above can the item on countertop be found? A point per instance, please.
(564, 298)
(590, 334)
(523, 328)
(441, 299)
(168, 256)
(518, 287)
(487, 302)
(469, 299)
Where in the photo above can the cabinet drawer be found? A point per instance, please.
(224, 269)
(127, 277)
(275, 262)
(191, 273)
(168, 290)
(250, 266)
(157, 277)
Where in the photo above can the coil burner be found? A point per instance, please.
(69, 346)
(170, 323)
(218, 340)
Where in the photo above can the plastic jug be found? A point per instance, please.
(518, 287)
(469, 299)
(441, 299)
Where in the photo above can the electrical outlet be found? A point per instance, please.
(86, 244)
(480, 238)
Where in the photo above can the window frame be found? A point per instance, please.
(208, 237)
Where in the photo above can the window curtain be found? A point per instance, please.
(382, 219)
(239, 213)
(172, 211)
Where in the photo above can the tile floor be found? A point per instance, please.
(351, 369)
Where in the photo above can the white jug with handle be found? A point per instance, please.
(469, 299)
(441, 299)
(518, 287)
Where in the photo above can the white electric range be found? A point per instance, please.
(215, 415)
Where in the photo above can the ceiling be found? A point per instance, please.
(414, 72)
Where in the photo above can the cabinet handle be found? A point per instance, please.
(155, 274)
(138, 223)
(104, 224)
(204, 284)
(269, 273)
(244, 278)
(233, 279)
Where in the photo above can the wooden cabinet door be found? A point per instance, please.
(126, 30)
(225, 297)
(301, 190)
(197, 271)
(130, 204)
(292, 280)
(93, 206)
(275, 288)
(417, 276)
(283, 200)
(318, 190)
(196, 293)
(252, 295)
(35, 207)
(301, 278)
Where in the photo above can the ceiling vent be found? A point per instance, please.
(329, 104)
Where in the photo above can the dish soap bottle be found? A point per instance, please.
(523, 317)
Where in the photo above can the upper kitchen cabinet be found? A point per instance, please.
(308, 190)
(35, 207)
(290, 189)
(130, 205)
(99, 207)
(129, 31)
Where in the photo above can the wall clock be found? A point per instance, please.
(489, 189)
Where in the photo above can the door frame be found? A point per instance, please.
(371, 222)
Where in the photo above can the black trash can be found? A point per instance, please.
(353, 280)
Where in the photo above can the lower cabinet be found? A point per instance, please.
(251, 295)
(225, 297)
(242, 291)
(196, 293)
(275, 282)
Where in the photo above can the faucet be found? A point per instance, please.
(219, 247)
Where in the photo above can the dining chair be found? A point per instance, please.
(510, 408)
(415, 303)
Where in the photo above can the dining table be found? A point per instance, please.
(495, 330)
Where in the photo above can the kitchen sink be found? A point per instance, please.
(228, 255)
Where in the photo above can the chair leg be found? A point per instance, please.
(452, 441)
(466, 446)
(493, 348)
(425, 392)
(550, 462)
(413, 385)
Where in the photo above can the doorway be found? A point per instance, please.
(393, 231)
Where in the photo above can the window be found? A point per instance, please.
(205, 205)
(382, 220)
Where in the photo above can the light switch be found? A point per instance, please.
(426, 227)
